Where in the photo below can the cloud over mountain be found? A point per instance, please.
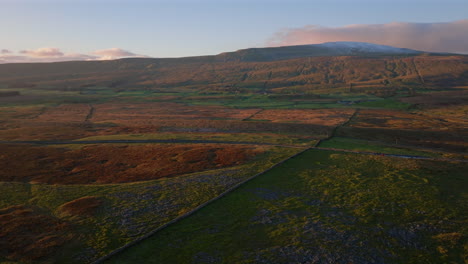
(56, 55)
(43, 52)
(434, 37)
(115, 53)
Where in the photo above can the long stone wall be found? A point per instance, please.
(177, 219)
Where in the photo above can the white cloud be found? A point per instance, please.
(116, 53)
(56, 55)
(30, 59)
(435, 37)
(43, 52)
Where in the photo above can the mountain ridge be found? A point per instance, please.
(258, 69)
(341, 48)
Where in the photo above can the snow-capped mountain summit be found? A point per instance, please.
(349, 47)
(342, 48)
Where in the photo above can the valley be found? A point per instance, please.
(255, 156)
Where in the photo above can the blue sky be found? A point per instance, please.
(187, 28)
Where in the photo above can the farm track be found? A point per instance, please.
(143, 141)
(184, 141)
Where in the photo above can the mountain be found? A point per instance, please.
(359, 48)
(315, 50)
(299, 69)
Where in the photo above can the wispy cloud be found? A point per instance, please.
(43, 52)
(435, 37)
(56, 55)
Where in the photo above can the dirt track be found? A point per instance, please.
(187, 141)
(142, 141)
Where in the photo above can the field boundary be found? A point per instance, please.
(196, 209)
(333, 132)
(252, 115)
(90, 113)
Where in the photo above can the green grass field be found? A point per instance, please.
(274, 102)
(326, 206)
(46, 95)
(388, 103)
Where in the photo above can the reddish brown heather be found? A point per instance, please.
(27, 235)
(94, 164)
(392, 119)
(327, 117)
(84, 206)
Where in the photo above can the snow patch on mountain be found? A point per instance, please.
(348, 47)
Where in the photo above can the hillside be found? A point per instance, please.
(263, 70)
(342, 48)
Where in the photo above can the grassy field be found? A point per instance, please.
(326, 206)
(343, 100)
(96, 95)
(121, 212)
(366, 146)
(385, 103)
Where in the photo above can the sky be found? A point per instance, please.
(56, 30)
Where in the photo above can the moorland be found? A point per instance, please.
(98, 154)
